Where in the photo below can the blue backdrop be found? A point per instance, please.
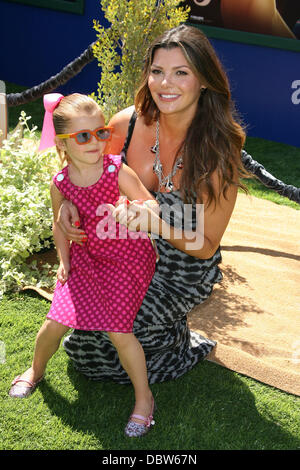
(37, 43)
(265, 85)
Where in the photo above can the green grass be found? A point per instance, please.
(281, 160)
(209, 408)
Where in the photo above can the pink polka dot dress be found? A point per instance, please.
(110, 274)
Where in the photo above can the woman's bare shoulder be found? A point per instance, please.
(121, 119)
(119, 122)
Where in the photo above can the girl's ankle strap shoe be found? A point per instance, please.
(21, 388)
(134, 429)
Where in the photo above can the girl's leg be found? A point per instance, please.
(132, 358)
(47, 343)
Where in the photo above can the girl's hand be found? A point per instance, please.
(69, 223)
(63, 272)
(137, 215)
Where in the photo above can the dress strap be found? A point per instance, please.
(112, 162)
(129, 135)
(60, 178)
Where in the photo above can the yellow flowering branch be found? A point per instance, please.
(121, 46)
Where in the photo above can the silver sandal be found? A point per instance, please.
(23, 391)
(134, 429)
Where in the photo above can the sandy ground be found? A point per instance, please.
(254, 314)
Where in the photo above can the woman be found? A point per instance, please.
(183, 142)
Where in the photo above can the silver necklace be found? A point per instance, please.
(166, 181)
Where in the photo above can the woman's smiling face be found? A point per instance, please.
(173, 85)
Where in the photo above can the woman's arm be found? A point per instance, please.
(201, 243)
(67, 220)
(61, 242)
(211, 225)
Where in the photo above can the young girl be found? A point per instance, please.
(102, 281)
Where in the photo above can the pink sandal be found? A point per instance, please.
(134, 429)
(21, 391)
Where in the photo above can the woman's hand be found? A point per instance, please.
(69, 223)
(63, 272)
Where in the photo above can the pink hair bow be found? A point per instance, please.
(51, 101)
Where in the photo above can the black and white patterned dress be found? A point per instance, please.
(180, 282)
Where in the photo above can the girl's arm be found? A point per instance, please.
(131, 186)
(61, 242)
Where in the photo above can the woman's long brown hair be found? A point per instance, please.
(215, 138)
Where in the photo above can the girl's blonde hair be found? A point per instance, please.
(64, 112)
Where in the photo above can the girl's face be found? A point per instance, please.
(87, 154)
(173, 85)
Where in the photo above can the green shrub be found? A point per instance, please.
(120, 48)
(25, 207)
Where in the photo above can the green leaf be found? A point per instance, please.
(25, 207)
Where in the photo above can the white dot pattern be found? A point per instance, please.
(109, 277)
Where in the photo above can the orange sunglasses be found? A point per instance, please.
(85, 136)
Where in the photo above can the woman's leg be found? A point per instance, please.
(132, 358)
(47, 343)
